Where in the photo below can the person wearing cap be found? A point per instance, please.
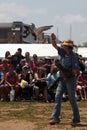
(26, 88)
(69, 62)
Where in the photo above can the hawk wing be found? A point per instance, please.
(41, 29)
(36, 32)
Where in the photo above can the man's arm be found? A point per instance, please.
(53, 37)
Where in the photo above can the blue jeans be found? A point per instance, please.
(70, 85)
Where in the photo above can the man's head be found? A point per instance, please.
(69, 43)
(19, 51)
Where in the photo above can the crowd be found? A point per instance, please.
(35, 78)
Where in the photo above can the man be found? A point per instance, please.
(19, 55)
(69, 62)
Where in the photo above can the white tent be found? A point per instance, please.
(82, 51)
(39, 49)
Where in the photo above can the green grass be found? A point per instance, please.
(39, 113)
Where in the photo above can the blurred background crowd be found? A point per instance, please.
(23, 77)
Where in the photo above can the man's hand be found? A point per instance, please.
(53, 36)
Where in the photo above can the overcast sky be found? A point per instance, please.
(68, 17)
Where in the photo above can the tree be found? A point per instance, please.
(85, 44)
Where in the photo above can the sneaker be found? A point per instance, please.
(75, 122)
(53, 122)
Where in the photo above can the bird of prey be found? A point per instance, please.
(35, 32)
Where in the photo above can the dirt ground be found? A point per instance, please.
(26, 125)
(16, 124)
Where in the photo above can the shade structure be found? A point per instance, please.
(40, 49)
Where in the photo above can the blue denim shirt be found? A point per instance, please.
(68, 61)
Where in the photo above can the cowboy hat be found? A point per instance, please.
(68, 42)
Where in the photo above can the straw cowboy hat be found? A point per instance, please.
(68, 42)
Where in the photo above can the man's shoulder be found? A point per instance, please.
(61, 51)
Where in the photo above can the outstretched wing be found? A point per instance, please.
(28, 29)
(41, 29)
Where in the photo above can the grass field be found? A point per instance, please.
(36, 116)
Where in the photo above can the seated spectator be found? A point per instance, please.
(4, 68)
(7, 54)
(28, 60)
(5, 65)
(79, 84)
(20, 65)
(11, 80)
(47, 64)
(3, 94)
(84, 74)
(52, 78)
(26, 88)
(55, 63)
(81, 87)
(40, 82)
(35, 63)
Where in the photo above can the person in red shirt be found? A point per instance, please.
(35, 63)
(4, 66)
(11, 80)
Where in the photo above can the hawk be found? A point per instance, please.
(35, 31)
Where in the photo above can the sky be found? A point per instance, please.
(68, 17)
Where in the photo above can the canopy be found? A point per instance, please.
(40, 49)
